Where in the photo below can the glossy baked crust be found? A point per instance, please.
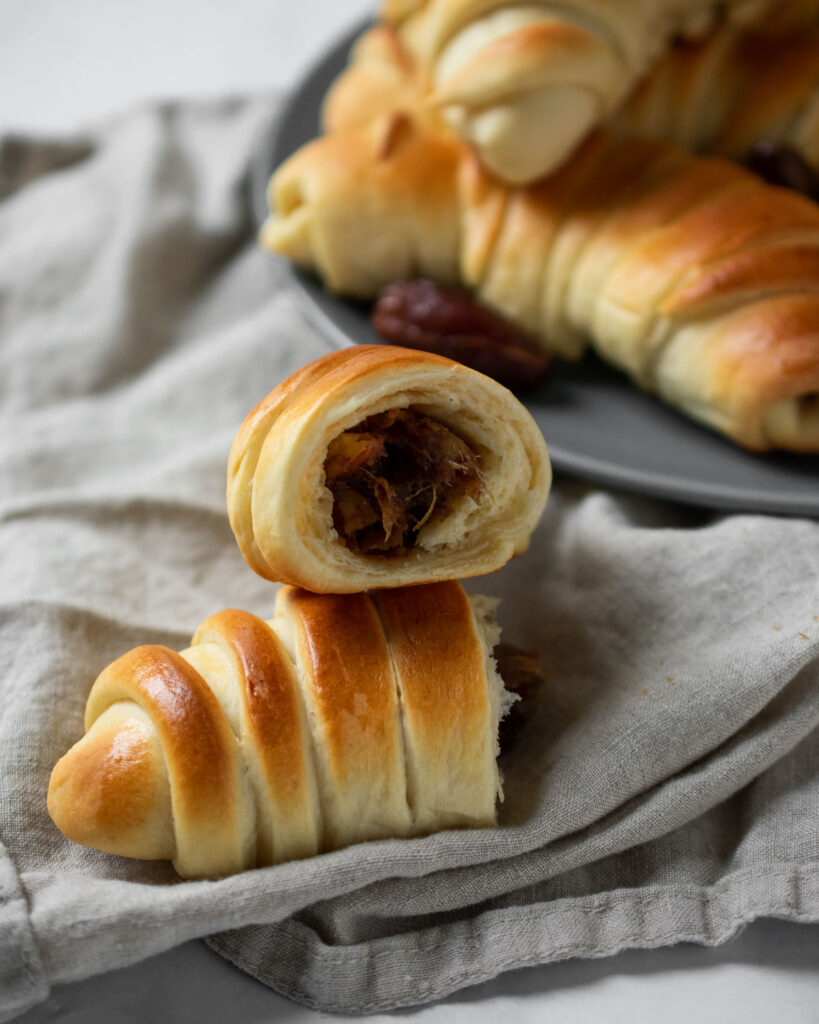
(280, 507)
(342, 719)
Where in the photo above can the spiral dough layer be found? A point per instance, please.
(342, 719)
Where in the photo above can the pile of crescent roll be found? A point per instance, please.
(578, 167)
(369, 705)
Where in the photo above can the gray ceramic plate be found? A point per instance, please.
(596, 424)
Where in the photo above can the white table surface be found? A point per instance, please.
(65, 62)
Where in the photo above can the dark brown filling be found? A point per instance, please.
(393, 473)
(522, 674)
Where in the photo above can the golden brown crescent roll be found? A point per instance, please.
(342, 719)
(691, 274)
(525, 83)
(378, 467)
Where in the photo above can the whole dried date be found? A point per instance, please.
(448, 321)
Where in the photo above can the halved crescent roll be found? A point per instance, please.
(341, 719)
(380, 467)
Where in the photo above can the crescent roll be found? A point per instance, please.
(689, 273)
(341, 719)
(379, 467)
(525, 83)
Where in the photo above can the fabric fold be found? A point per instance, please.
(437, 961)
(22, 977)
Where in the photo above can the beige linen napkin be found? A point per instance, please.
(665, 785)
